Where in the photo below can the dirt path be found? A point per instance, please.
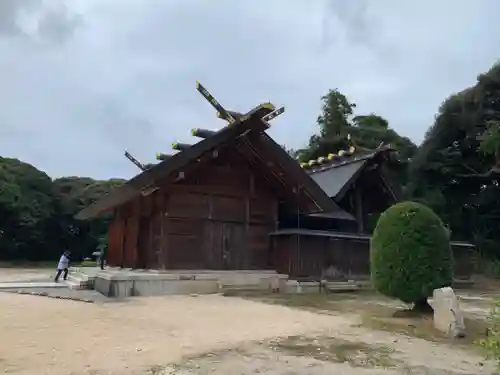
(25, 274)
(57, 337)
(63, 337)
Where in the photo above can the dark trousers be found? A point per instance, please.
(101, 262)
(59, 274)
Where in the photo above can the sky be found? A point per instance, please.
(83, 80)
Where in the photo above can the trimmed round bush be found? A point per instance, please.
(410, 253)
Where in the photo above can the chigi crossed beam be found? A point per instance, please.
(138, 164)
(269, 112)
(231, 116)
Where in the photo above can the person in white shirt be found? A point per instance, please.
(63, 266)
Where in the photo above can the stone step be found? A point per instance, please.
(79, 277)
(334, 287)
(79, 281)
(73, 285)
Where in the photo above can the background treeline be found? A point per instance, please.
(36, 213)
(456, 171)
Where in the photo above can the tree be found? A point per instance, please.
(334, 124)
(410, 254)
(36, 213)
(73, 194)
(456, 169)
(334, 119)
(366, 133)
(26, 207)
(490, 141)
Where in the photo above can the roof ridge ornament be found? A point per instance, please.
(230, 116)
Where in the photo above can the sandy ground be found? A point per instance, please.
(204, 335)
(26, 274)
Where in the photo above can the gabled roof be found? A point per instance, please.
(332, 180)
(252, 126)
(335, 178)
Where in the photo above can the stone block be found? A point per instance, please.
(448, 317)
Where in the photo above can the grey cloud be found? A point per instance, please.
(46, 20)
(10, 12)
(84, 79)
(58, 24)
(354, 19)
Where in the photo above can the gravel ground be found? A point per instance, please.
(26, 274)
(64, 293)
(206, 335)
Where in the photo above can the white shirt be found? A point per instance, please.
(63, 262)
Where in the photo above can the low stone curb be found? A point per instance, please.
(44, 294)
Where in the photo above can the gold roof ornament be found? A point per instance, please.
(163, 157)
(330, 157)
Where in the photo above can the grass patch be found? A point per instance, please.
(357, 354)
(376, 312)
(423, 328)
(318, 302)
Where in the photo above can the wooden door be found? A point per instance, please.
(233, 241)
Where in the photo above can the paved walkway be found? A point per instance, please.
(31, 284)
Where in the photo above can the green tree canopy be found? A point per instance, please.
(337, 122)
(26, 207)
(36, 213)
(455, 170)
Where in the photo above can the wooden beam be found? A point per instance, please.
(163, 157)
(137, 163)
(202, 133)
(180, 146)
(218, 107)
(232, 113)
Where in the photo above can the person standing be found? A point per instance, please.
(63, 266)
(102, 257)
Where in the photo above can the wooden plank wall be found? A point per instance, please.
(218, 217)
(351, 257)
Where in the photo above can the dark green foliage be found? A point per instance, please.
(36, 213)
(367, 132)
(454, 169)
(410, 253)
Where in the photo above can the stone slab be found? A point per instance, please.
(448, 317)
(28, 284)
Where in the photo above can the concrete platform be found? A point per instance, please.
(127, 283)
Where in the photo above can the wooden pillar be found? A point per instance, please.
(358, 202)
(123, 242)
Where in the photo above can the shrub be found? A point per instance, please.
(410, 254)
